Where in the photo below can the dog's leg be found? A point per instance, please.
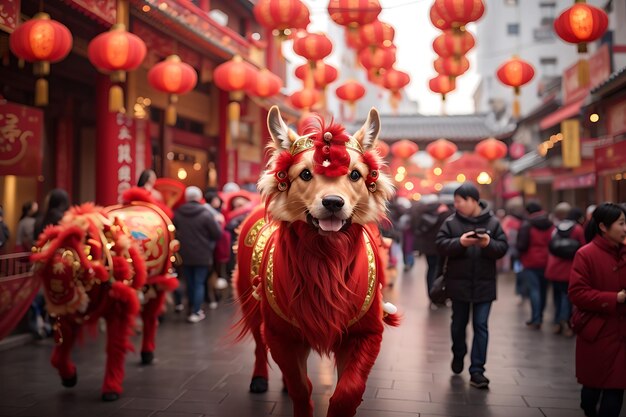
(150, 315)
(291, 357)
(260, 374)
(355, 358)
(61, 355)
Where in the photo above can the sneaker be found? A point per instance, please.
(457, 364)
(212, 305)
(221, 284)
(196, 317)
(179, 308)
(533, 326)
(478, 380)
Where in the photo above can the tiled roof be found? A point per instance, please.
(420, 128)
(614, 78)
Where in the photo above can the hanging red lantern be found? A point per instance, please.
(235, 76)
(453, 43)
(451, 66)
(441, 149)
(174, 77)
(437, 20)
(580, 24)
(352, 14)
(116, 52)
(458, 13)
(491, 149)
(305, 98)
(350, 91)
(379, 58)
(353, 39)
(266, 84)
(404, 149)
(313, 46)
(281, 16)
(442, 84)
(376, 34)
(382, 148)
(323, 74)
(41, 41)
(515, 73)
(394, 80)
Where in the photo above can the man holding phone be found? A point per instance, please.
(471, 240)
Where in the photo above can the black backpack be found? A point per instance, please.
(562, 245)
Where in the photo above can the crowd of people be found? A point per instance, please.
(580, 255)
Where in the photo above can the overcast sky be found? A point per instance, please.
(414, 36)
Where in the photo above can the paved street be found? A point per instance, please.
(198, 373)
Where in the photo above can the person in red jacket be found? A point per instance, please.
(532, 243)
(597, 289)
(560, 265)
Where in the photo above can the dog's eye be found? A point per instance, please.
(306, 175)
(355, 175)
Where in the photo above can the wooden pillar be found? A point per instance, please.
(106, 175)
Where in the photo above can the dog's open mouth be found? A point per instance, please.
(329, 224)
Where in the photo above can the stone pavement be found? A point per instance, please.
(198, 373)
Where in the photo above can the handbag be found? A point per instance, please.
(438, 292)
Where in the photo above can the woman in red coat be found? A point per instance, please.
(597, 289)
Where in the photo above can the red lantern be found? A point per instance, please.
(458, 13)
(235, 76)
(116, 51)
(172, 77)
(437, 20)
(305, 99)
(451, 66)
(313, 46)
(441, 149)
(42, 41)
(379, 58)
(266, 84)
(377, 34)
(395, 80)
(404, 149)
(353, 39)
(453, 43)
(352, 13)
(281, 16)
(491, 149)
(323, 74)
(581, 23)
(382, 148)
(350, 91)
(442, 84)
(515, 73)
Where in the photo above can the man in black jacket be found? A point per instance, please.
(471, 240)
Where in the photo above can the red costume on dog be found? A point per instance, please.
(310, 277)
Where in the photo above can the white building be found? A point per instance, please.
(524, 28)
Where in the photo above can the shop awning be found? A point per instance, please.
(561, 114)
(530, 160)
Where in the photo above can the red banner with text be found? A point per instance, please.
(21, 130)
(9, 15)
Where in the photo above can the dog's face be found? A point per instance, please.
(329, 194)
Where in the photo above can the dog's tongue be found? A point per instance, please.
(331, 224)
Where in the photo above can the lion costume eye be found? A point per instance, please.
(306, 175)
(355, 175)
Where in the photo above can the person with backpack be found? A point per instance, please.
(567, 237)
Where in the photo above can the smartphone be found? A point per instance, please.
(477, 232)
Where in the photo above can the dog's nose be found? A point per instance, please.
(333, 203)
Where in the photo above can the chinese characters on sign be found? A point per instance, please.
(125, 153)
(21, 129)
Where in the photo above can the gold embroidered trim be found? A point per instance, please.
(305, 143)
(269, 278)
(254, 232)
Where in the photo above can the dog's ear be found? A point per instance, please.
(281, 134)
(368, 133)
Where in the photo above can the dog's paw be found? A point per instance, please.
(110, 396)
(258, 385)
(147, 358)
(71, 381)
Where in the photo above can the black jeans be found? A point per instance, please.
(480, 318)
(610, 404)
(432, 271)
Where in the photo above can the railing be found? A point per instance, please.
(14, 266)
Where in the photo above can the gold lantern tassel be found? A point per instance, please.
(234, 111)
(41, 92)
(170, 111)
(116, 99)
(516, 105)
(583, 73)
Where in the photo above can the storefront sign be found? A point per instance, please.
(599, 70)
(611, 158)
(570, 145)
(21, 130)
(125, 167)
(104, 10)
(565, 182)
(9, 15)
(616, 123)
